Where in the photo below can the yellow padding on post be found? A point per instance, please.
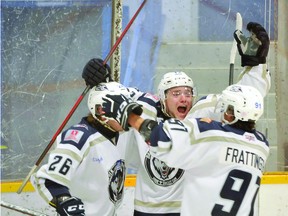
(10, 187)
(275, 178)
(268, 178)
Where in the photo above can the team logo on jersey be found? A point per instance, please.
(160, 173)
(116, 181)
(73, 135)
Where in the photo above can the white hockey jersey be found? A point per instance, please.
(158, 187)
(91, 166)
(223, 165)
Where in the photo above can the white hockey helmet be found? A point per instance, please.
(246, 101)
(171, 80)
(95, 97)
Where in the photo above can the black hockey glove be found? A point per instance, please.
(95, 72)
(261, 35)
(254, 49)
(120, 107)
(71, 206)
(146, 129)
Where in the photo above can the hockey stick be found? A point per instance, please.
(33, 169)
(21, 209)
(234, 49)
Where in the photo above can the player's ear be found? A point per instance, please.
(228, 117)
(229, 114)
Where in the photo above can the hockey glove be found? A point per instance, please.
(95, 72)
(120, 107)
(254, 49)
(71, 206)
(261, 34)
(146, 129)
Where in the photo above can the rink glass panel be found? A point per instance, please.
(45, 45)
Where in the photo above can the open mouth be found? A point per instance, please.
(182, 109)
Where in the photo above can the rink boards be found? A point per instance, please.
(273, 196)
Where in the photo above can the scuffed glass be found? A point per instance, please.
(45, 45)
(44, 48)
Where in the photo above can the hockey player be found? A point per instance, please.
(223, 161)
(158, 187)
(86, 171)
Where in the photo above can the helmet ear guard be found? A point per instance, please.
(245, 101)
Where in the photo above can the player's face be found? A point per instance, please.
(114, 125)
(179, 101)
(229, 114)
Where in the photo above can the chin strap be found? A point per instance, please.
(164, 110)
(146, 129)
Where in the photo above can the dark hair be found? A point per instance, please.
(248, 126)
(90, 118)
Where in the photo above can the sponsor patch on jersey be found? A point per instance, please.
(249, 136)
(97, 159)
(73, 135)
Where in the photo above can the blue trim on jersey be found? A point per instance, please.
(147, 100)
(84, 127)
(215, 125)
(56, 189)
(158, 134)
(202, 98)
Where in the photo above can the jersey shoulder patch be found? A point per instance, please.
(73, 135)
(77, 135)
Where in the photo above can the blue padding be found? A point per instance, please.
(144, 46)
(106, 28)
